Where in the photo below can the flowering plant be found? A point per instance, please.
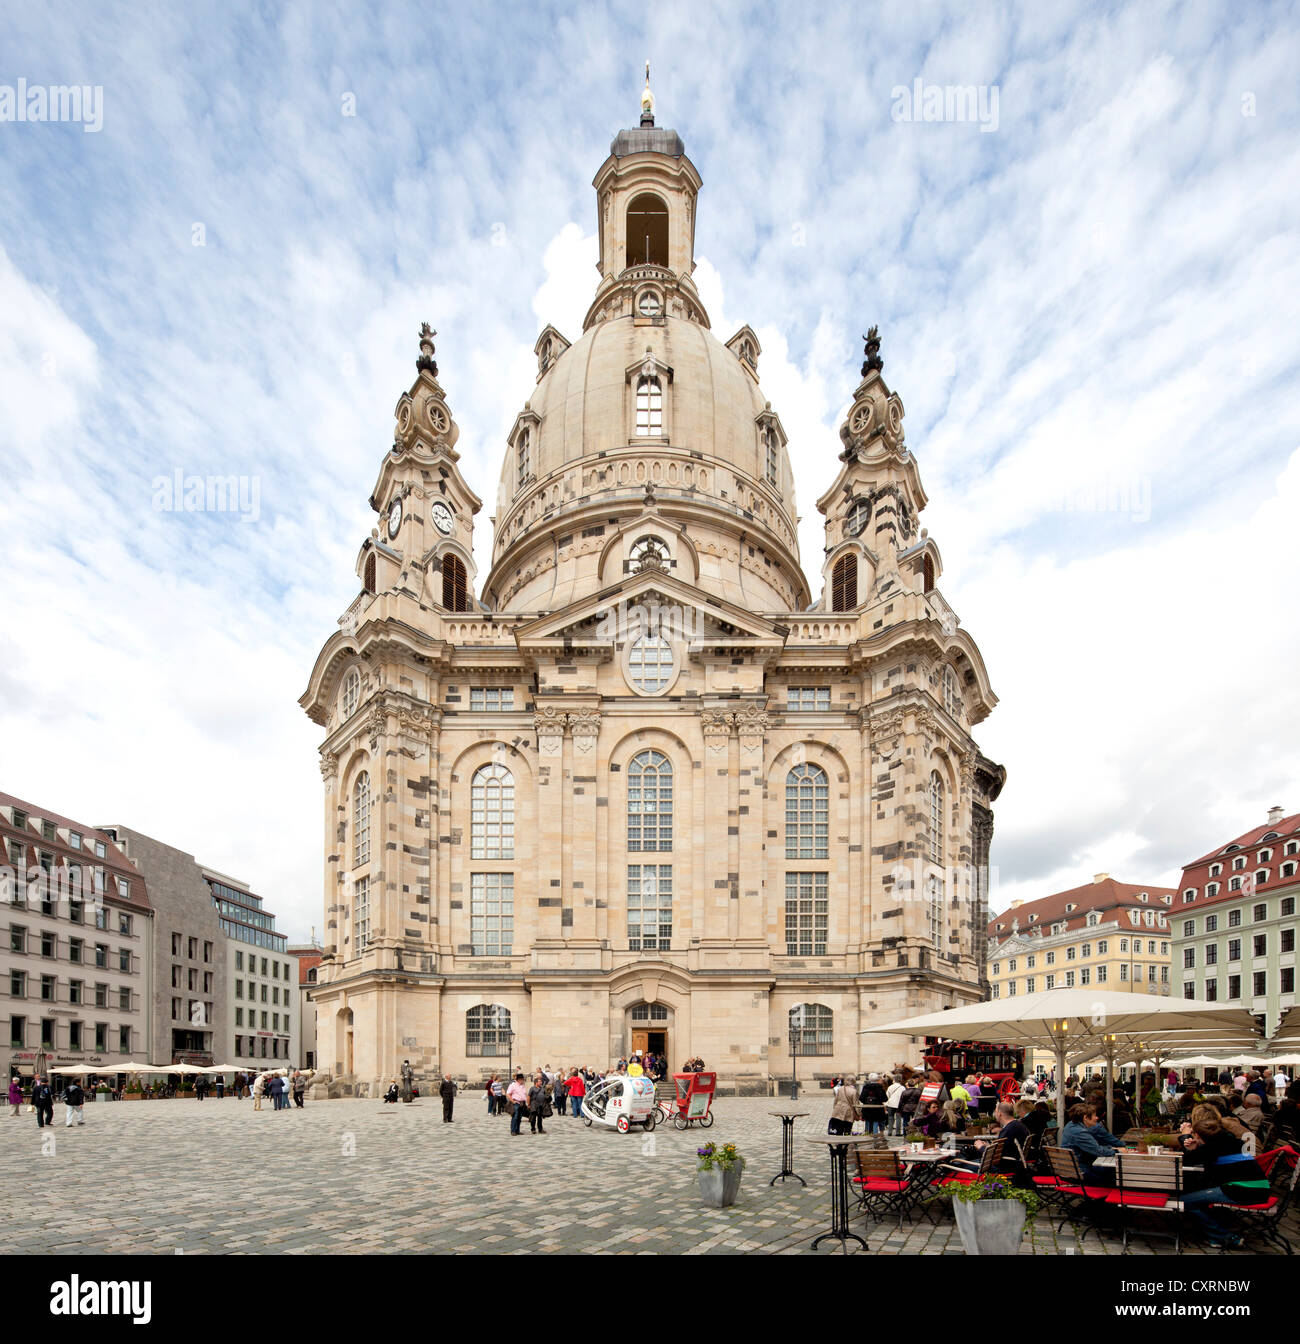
(726, 1157)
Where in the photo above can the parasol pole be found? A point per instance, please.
(1060, 1037)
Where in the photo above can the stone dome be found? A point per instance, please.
(575, 453)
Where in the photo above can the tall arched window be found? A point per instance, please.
(361, 820)
(844, 583)
(951, 696)
(812, 1029)
(351, 693)
(771, 446)
(647, 231)
(650, 802)
(649, 406)
(522, 451)
(927, 571)
(492, 813)
(368, 580)
(486, 1030)
(936, 817)
(360, 913)
(807, 813)
(455, 589)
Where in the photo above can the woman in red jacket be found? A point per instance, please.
(577, 1090)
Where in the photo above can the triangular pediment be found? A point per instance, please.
(641, 600)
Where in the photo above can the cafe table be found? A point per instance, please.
(839, 1145)
(787, 1119)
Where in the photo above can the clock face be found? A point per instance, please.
(394, 517)
(441, 516)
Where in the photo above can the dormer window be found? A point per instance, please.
(1032, 918)
(844, 583)
(1142, 896)
(523, 454)
(771, 445)
(455, 588)
(649, 406)
(1070, 907)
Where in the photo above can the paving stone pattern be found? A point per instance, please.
(364, 1176)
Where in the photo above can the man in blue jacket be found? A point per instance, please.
(1081, 1138)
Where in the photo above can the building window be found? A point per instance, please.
(1189, 927)
(1051, 981)
(1288, 940)
(1050, 959)
(487, 1031)
(1234, 919)
(1102, 975)
(1085, 975)
(1123, 972)
(1260, 944)
(1260, 912)
(649, 907)
(951, 698)
(1258, 986)
(650, 663)
(649, 406)
(798, 698)
(124, 959)
(844, 583)
(770, 447)
(455, 584)
(49, 945)
(351, 693)
(1189, 958)
(124, 999)
(807, 813)
(806, 914)
(491, 699)
(934, 911)
(360, 821)
(492, 914)
(650, 802)
(492, 813)
(1287, 985)
(1211, 923)
(1234, 986)
(1086, 950)
(523, 456)
(1288, 870)
(1069, 979)
(360, 917)
(1102, 946)
(1211, 954)
(1234, 949)
(812, 1029)
(936, 818)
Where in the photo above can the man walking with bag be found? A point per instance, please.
(43, 1100)
(447, 1091)
(74, 1100)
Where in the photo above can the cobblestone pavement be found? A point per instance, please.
(358, 1175)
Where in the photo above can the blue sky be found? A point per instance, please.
(1089, 313)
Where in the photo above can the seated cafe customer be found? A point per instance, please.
(1078, 1137)
(1216, 1171)
(932, 1123)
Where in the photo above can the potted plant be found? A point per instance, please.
(101, 1092)
(914, 1139)
(133, 1091)
(991, 1214)
(720, 1170)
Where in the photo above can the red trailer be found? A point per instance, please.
(955, 1059)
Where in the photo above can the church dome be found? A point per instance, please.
(703, 438)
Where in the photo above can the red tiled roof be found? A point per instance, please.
(1092, 896)
(1285, 829)
(114, 860)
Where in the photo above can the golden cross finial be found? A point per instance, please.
(647, 100)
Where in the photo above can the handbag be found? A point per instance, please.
(547, 1110)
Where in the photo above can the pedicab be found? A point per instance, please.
(693, 1102)
(620, 1102)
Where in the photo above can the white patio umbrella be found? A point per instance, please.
(1071, 1021)
(74, 1068)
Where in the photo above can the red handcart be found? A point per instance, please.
(693, 1102)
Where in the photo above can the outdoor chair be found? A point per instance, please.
(1152, 1183)
(1076, 1201)
(1265, 1220)
(990, 1157)
(882, 1183)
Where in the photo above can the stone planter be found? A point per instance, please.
(719, 1188)
(990, 1226)
(132, 1096)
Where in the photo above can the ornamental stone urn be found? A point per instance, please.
(990, 1226)
(719, 1187)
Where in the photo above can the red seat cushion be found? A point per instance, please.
(964, 1179)
(1258, 1208)
(1046, 1180)
(881, 1184)
(1085, 1193)
(1144, 1199)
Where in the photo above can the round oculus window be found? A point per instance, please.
(648, 304)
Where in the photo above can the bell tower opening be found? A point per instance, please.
(647, 231)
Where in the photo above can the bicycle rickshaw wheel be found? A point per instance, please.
(651, 1121)
(706, 1120)
(680, 1122)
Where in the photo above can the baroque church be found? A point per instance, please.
(638, 787)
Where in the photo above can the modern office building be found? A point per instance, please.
(1234, 921)
(76, 965)
(189, 954)
(262, 978)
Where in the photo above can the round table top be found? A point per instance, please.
(789, 1115)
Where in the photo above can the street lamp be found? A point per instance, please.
(510, 1044)
(796, 1026)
